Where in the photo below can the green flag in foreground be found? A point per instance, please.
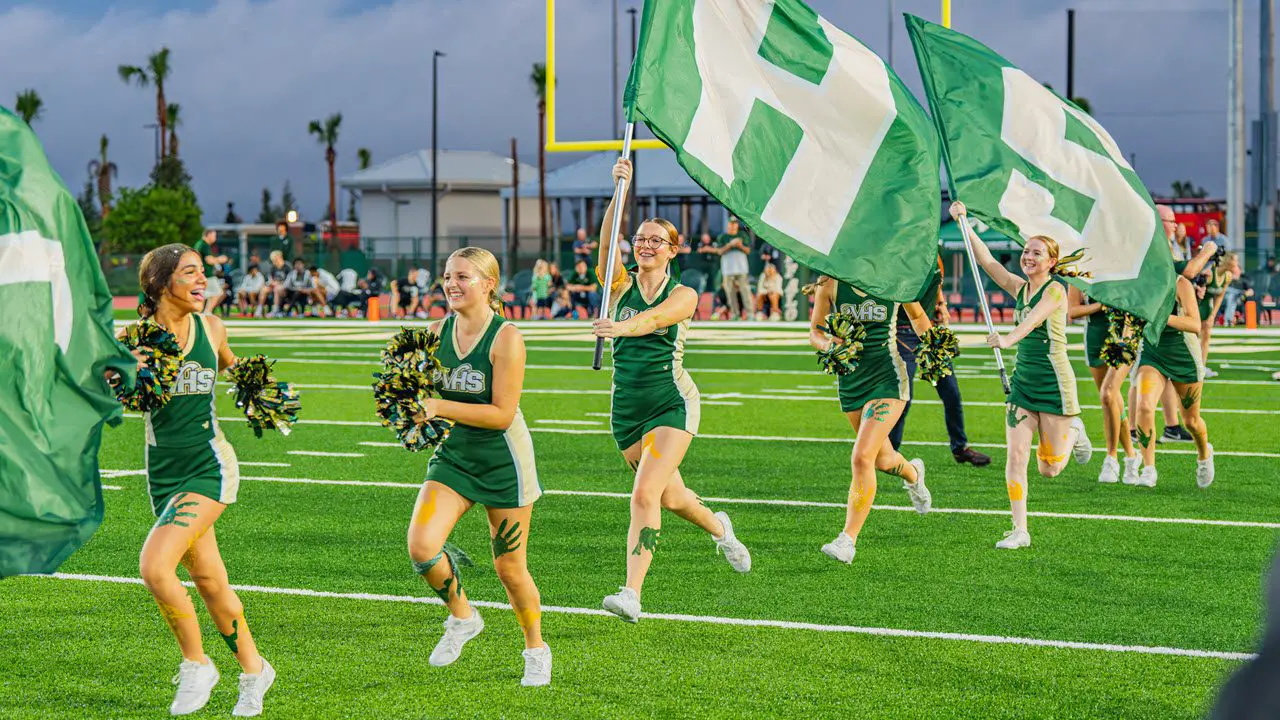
(55, 343)
(1028, 163)
(798, 129)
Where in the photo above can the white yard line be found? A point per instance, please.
(112, 487)
(716, 620)
(568, 422)
(802, 503)
(317, 453)
(243, 463)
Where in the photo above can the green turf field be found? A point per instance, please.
(1113, 613)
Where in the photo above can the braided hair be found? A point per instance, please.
(154, 273)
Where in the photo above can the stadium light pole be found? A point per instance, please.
(435, 145)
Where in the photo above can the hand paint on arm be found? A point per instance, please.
(1053, 298)
(678, 307)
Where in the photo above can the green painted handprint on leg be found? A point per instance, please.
(505, 541)
(648, 541)
(173, 511)
(878, 411)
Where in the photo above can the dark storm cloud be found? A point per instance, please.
(250, 75)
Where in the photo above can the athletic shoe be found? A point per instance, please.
(1208, 373)
(1148, 477)
(1110, 470)
(1014, 539)
(971, 456)
(252, 688)
(1204, 470)
(195, 681)
(456, 634)
(625, 604)
(734, 551)
(1174, 433)
(1131, 467)
(537, 667)
(842, 549)
(1083, 450)
(921, 498)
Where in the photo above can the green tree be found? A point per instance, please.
(147, 218)
(365, 159)
(287, 201)
(89, 208)
(29, 106)
(173, 116)
(269, 213)
(102, 170)
(326, 134)
(171, 173)
(156, 72)
(1188, 189)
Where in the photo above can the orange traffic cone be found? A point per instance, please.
(374, 308)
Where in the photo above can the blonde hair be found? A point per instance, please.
(812, 287)
(540, 266)
(672, 233)
(1062, 266)
(487, 264)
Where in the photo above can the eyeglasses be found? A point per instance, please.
(653, 241)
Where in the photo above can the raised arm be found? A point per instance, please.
(608, 243)
(1009, 282)
(1195, 265)
(508, 356)
(1188, 319)
(1077, 307)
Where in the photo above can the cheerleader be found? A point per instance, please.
(1115, 422)
(1217, 278)
(873, 397)
(192, 476)
(1043, 398)
(655, 409)
(487, 459)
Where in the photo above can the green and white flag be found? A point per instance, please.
(55, 344)
(800, 130)
(1028, 162)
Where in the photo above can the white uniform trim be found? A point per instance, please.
(520, 444)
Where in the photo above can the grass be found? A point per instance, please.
(96, 649)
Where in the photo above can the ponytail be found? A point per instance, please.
(1062, 266)
(812, 287)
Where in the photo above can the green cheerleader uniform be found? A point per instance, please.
(881, 373)
(1043, 380)
(1176, 355)
(651, 388)
(186, 450)
(1095, 332)
(494, 468)
(1212, 291)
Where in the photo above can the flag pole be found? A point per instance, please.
(619, 195)
(982, 295)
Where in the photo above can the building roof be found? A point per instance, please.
(458, 169)
(657, 173)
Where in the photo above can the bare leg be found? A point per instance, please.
(510, 531)
(873, 425)
(1020, 426)
(436, 511)
(661, 452)
(204, 563)
(185, 518)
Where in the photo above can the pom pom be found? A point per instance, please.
(847, 334)
(938, 345)
(408, 379)
(268, 404)
(1120, 348)
(163, 358)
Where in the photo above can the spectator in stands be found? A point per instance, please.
(424, 293)
(1239, 288)
(557, 280)
(584, 289)
(561, 303)
(376, 283)
(297, 287)
(584, 248)
(733, 246)
(276, 277)
(624, 247)
(683, 255)
(1213, 233)
(404, 294)
(251, 293)
(770, 254)
(217, 289)
(702, 257)
(1181, 243)
(324, 288)
(283, 243)
(769, 294)
(540, 289)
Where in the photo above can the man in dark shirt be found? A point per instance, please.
(584, 289)
(948, 388)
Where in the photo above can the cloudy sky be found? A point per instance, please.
(251, 74)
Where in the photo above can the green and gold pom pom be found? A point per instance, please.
(1124, 331)
(847, 335)
(163, 358)
(268, 404)
(938, 346)
(409, 377)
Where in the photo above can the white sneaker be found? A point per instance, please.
(456, 634)
(1015, 539)
(1210, 373)
(537, 667)
(921, 498)
(1204, 470)
(195, 681)
(252, 688)
(1110, 470)
(842, 549)
(1083, 451)
(1147, 478)
(734, 551)
(625, 604)
(1131, 467)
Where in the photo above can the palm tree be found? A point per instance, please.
(172, 115)
(155, 73)
(327, 135)
(539, 79)
(365, 159)
(29, 106)
(103, 170)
